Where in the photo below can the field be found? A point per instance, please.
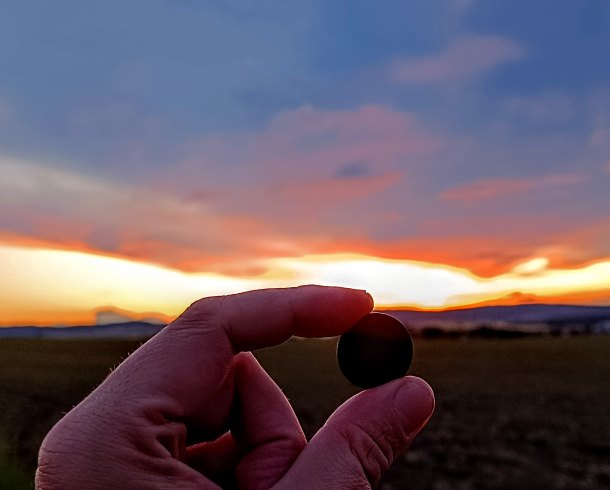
(511, 414)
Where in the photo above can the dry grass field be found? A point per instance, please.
(511, 414)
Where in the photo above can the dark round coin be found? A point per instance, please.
(377, 349)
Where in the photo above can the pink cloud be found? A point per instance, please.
(331, 191)
(308, 143)
(74, 210)
(307, 173)
(486, 189)
(462, 60)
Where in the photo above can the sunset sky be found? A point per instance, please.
(437, 153)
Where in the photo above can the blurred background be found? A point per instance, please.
(452, 157)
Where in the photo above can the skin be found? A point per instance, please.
(197, 375)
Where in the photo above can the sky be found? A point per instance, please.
(439, 154)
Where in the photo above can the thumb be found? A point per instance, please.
(363, 437)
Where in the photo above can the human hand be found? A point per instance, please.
(197, 375)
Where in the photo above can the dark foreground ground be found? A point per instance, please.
(511, 414)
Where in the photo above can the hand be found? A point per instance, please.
(198, 375)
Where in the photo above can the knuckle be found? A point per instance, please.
(47, 476)
(57, 449)
(289, 447)
(202, 311)
(374, 447)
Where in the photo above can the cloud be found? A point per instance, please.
(582, 244)
(598, 110)
(482, 253)
(332, 191)
(486, 189)
(364, 180)
(307, 143)
(462, 60)
(82, 283)
(532, 266)
(307, 169)
(80, 211)
(239, 197)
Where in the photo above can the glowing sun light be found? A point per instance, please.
(44, 286)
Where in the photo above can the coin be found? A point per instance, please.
(377, 349)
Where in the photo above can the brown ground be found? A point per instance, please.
(511, 414)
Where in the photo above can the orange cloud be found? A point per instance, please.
(311, 182)
(186, 233)
(486, 253)
(462, 60)
(581, 245)
(41, 284)
(599, 297)
(482, 254)
(485, 189)
(66, 210)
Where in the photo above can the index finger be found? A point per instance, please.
(268, 317)
(186, 369)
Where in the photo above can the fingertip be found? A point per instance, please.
(322, 311)
(358, 299)
(367, 299)
(415, 398)
(366, 434)
(418, 384)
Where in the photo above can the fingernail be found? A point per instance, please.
(415, 399)
(369, 296)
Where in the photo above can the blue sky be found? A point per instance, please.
(178, 69)
(205, 135)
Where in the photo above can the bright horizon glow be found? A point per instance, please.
(49, 286)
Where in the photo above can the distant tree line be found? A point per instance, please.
(493, 331)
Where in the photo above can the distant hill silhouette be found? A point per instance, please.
(530, 313)
(126, 330)
(486, 321)
(524, 319)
